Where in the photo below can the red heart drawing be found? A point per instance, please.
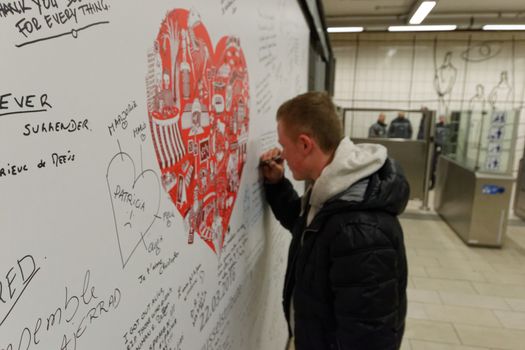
(198, 102)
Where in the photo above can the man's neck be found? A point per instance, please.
(322, 161)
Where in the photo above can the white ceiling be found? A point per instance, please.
(466, 13)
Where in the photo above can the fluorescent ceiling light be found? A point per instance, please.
(345, 29)
(504, 27)
(424, 9)
(433, 28)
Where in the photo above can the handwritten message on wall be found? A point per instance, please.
(133, 214)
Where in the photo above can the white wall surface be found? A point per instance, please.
(97, 250)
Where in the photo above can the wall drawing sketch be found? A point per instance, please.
(500, 95)
(482, 51)
(444, 80)
(135, 201)
(198, 98)
(477, 102)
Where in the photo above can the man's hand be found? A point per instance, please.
(272, 166)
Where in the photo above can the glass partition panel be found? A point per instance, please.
(483, 141)
(498, 141)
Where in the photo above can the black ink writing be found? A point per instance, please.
(204, 308)
(45, 5)
(11, 104)
(154, 328)
(228, 5)
(13, 169)
(61, 17)
(17, 279)
(79, 311)
(139, 131)
(41, 164)
(72, 32)
(121, 119)
(196, 276)
(158, 267)
(13, 8)
(94, 7)
(168, 216)
(263, 95)
(61, 159)
(28, 26)
(56, 127)
(267, 40)
(129, 198)
(215, 337)
(57, 159)
(48, 15)
(154, 246)
(129, 193)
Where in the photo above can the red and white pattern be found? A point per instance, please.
(168, 142)
(198, 106)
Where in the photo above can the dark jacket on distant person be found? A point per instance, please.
(441, 134)
(347, 268)
(400, 128)
(377, 129)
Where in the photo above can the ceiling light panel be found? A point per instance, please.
(504, 27)
(421, 13)
(345, 29)
(424, 28)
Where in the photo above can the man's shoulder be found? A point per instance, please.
(359, 229)
(357, 215)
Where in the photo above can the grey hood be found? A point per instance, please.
(351, 163)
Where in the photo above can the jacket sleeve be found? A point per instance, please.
(391, 130)
(284, 201)
(372, 132)
(364, 283)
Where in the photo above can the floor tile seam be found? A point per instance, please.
(457, 334)
(460, 278)
(442, 343)
(429, 290)
(499, 327)
(500, 284)
(506, 300)
(504, 283)
(502, 329)
(491, 311)
(507, 305)
(453, 280)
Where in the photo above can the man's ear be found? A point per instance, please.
(306, 143)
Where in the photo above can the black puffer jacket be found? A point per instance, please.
(347, 271)
(400, 128)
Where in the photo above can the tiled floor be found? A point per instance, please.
(460, 297)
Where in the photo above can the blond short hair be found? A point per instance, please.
(312, 113)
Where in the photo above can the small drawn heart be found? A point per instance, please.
(198, 109)
(135, 200)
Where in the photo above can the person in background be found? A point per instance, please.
(441, 133)
(378, 129)
(422, 123)
(346, 278)
(439, 142)
(400, 127)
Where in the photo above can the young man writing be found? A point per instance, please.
(345, 285)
